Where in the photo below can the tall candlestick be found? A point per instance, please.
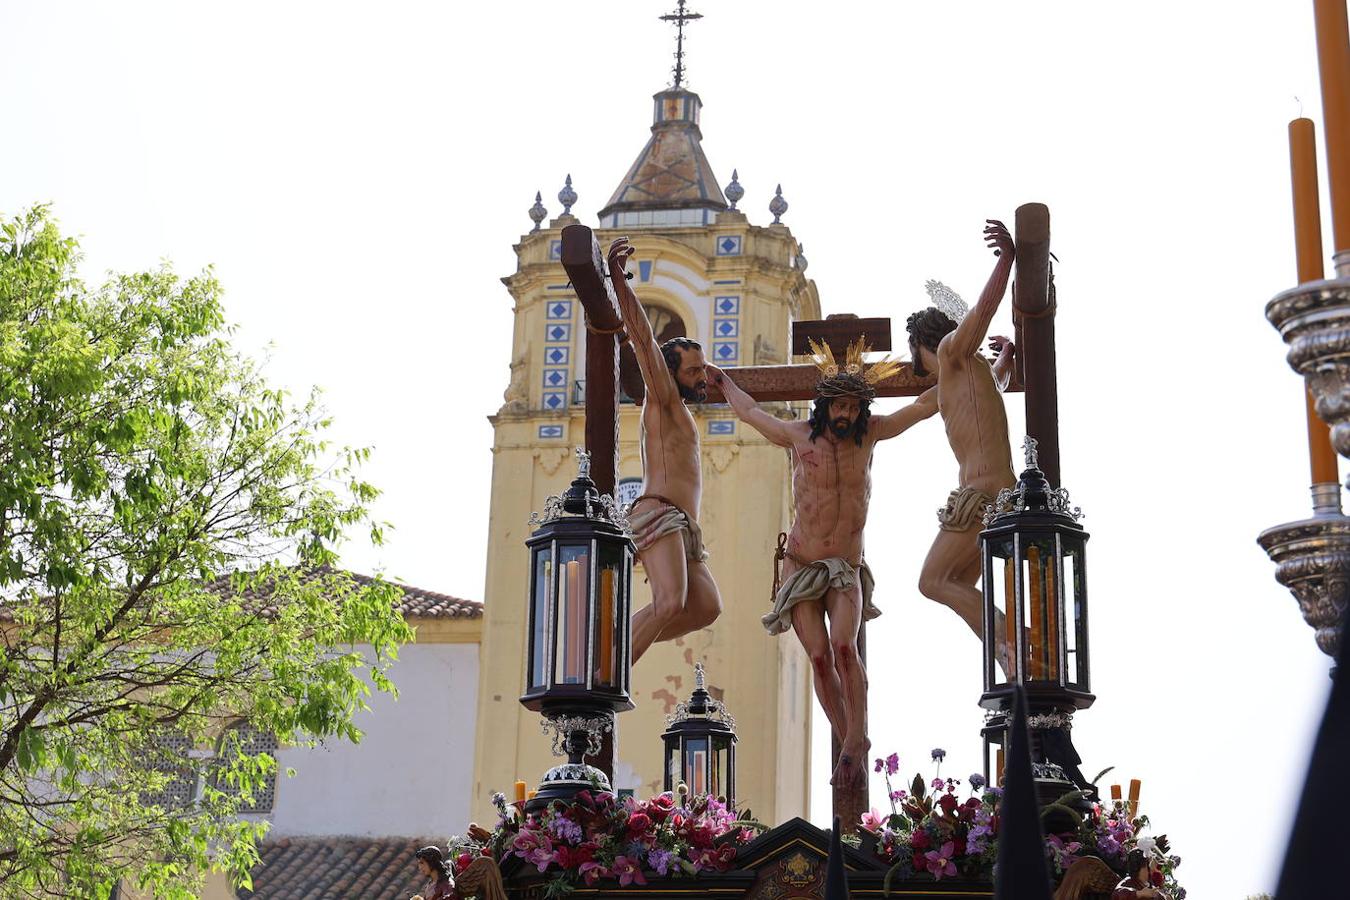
(1115, 793)
(1308, 251)
(998, 765)
(574, 635)
(520, 792)
(1134, 797)
(1052, 629)
(1333, 64)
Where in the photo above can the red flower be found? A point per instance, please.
(959, 845)
(639, 824)
(919, 840)
(462, 861)
(948, 802)
(660, 807)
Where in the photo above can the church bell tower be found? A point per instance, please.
(702, 271)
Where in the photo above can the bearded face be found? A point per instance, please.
(843, 415)
(692, 376)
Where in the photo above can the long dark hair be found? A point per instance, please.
(434, 858)
(820, 418)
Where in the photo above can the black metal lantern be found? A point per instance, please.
(1035, 623)
(577, 653)
(700, 744)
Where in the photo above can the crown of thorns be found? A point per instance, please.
(855, 378)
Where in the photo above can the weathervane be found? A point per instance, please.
(679, 17)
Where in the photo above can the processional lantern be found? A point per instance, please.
(700, 744)
(1035, 624)
(577, 655)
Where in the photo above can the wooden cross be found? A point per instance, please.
(1033, 318)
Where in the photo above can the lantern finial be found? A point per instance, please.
(1029, 448)
(700, 681)
(583, 463)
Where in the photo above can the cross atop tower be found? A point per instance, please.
(680, 17)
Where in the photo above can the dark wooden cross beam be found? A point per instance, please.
(585, 266)
(1034, 319)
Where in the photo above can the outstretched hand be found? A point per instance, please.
(998, 238)
(619, 251)
(715, 373)
(999, 344)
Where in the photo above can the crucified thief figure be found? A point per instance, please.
(945, 339)
(823, 569)
(664, 518)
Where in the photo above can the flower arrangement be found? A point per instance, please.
(600, 836)
(932, 830)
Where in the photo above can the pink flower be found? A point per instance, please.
(872, 820)
(939, 862)
(628, 871)
(592, 871)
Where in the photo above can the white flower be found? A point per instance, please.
(1147, 844)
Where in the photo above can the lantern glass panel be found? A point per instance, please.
(540, 593)
(608, 624)
(574, 574)
(721, 774)
(1041, 611)
(1002, 591)
(1073, 610)
(696, 752)
(673, 764)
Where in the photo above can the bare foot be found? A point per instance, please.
(851, 770)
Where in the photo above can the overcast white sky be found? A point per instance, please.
(358, 174)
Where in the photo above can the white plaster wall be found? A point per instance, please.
(412, 772)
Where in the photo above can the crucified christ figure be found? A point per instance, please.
(664, 517)
(946, 339)
(826, 588)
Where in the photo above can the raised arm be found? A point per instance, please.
(896, 423)
(775, 429)
(655, 373)
(965, 341)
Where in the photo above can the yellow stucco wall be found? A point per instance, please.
(764, 681)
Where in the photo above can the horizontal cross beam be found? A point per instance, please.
(770, 383)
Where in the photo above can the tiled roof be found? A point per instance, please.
(416, 603)
(672, 171)
(337, 868)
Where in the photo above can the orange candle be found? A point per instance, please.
(604, 674)
(1308, 251)
(574, 633)
(520, 792)
(998, 776)
(1115, 793)
(1333, 63)
(1134, 797)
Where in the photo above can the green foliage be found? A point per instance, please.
(152, 488)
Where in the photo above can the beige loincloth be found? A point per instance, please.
(661, 519)
(811, 582)
(965, 507)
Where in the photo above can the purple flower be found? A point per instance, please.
(898, 795)
(893, 764)
(938, 784)
(564, 829)
(939, 754)
(939, 861)
(660, 860)
(977, 781)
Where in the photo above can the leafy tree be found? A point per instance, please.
(167, 531)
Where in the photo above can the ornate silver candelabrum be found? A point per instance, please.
(1312, 556)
